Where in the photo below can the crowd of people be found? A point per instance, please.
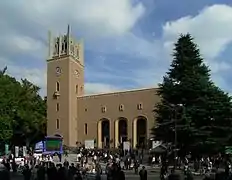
(89, 163)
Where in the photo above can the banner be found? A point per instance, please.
(89, 144)
(6, 149)
(24, 151)
(126, 145)
(16, 151)
(39, 147)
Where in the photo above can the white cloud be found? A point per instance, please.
(100, 16)
(24, 26)
(216, 67)
(211, 28)
(34, 75)
(24, 44)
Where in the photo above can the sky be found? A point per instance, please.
(128, 43)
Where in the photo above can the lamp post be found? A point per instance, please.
(175, 140)
(175, 132)
(176, 107)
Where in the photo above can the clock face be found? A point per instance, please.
(58, 70)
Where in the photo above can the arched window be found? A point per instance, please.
(57, 86)
(57, 124)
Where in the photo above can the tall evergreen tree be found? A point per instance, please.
(190, 102)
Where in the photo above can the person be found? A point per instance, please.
(34, 172)
(27, 172)
(4, 173)
(41, 172)
(121, 174)
(14, 166)
(98, 176)
(143, 173)
(78, 176)
(136, 166)
(163, 172)
(51, 171)
(173, 175)
(189, 175)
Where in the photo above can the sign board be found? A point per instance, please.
(6, 149)
(53, 144)
(24, 151)
(89, 144)
(39, 147)
(16, 151)
(126, 145)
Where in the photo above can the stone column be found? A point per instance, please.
(99, 134)
(112, 133)
(116, 133)
(134, 133)
(130, 131)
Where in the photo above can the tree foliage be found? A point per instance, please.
(191, 103)
(23, 111)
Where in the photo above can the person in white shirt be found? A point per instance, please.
(78, 157)
(95, 158)
(22, 162)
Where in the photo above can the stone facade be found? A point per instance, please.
(108, 118)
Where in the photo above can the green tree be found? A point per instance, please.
(8, 104)
(190, 103)
(23, 111)
(31, 113)
(220, 111)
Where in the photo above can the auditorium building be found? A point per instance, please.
(109, 119)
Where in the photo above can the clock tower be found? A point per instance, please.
(65, 82)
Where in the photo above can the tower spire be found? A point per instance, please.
(50, 44)
(68, 39)
(68, 30)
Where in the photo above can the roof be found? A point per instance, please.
(159, 149)
(118, 92)
(55, 137)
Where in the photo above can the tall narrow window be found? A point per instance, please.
(76, 89)
(86, 129)
(57, 107)
(140, 106)
(57, 124)
(103, 109)
(57, 86)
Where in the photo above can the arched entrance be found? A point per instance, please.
(104, 133)
(121, 131)
(140, 132)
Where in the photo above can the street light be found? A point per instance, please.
(175, 108)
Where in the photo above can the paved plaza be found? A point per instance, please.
(129, 176)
